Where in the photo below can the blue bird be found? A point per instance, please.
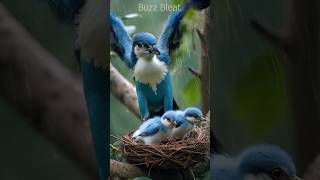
(90, 23)
(259, 162)
(156, 129)
(185, 121)
(149, 58)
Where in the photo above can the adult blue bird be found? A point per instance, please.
(259, 162)
(156, 129)
(185, 121)
(89, 20)
(149, 58)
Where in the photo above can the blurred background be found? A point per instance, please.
(25, 154)
(250, 96)
(266, 75)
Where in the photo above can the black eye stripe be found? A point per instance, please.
(145, 45)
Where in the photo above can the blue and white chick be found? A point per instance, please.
(156, 129)
(259, 162)
(185, 121)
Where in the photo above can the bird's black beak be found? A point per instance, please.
(175, 123)
(154, 50)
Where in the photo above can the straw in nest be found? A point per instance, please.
(183, 153)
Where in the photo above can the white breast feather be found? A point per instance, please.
(153, 139)
(150, 72)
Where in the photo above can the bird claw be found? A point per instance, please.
(146, 117)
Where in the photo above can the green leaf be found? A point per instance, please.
(191, 91)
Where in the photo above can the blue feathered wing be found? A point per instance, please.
(120, 41)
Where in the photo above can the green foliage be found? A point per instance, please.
(260, 99)
(187, 45)
(191, 91)
(177, 2)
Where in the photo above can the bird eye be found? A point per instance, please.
(145, 45)
(276, 173)
(139, 45)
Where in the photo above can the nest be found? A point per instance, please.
(182, 153)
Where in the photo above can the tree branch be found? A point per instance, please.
(45, 92)
(204, 64)
(124, 170)
(123, 90)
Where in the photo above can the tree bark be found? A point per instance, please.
(205, 65)
(44, 92)
(123, 90)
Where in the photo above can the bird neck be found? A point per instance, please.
(148, 57)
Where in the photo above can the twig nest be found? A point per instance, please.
(181, 153)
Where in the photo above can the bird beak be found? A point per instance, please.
(203, 118)
(155, 50)
(175, 124)
(295, 178)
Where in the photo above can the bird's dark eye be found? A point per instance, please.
(139, 45)
(145, 45)
(276, 173)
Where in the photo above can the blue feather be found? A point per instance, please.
(255, 160)
(199, 4)
(171, 29)
(265, 158)
(120, 40)
(150, 103)
(66, 9)
(95, 81)
(144, 37)
(151, 129)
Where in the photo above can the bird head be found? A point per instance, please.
(267, 162)
(144, 45)
(168, 119)
(193, 115)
